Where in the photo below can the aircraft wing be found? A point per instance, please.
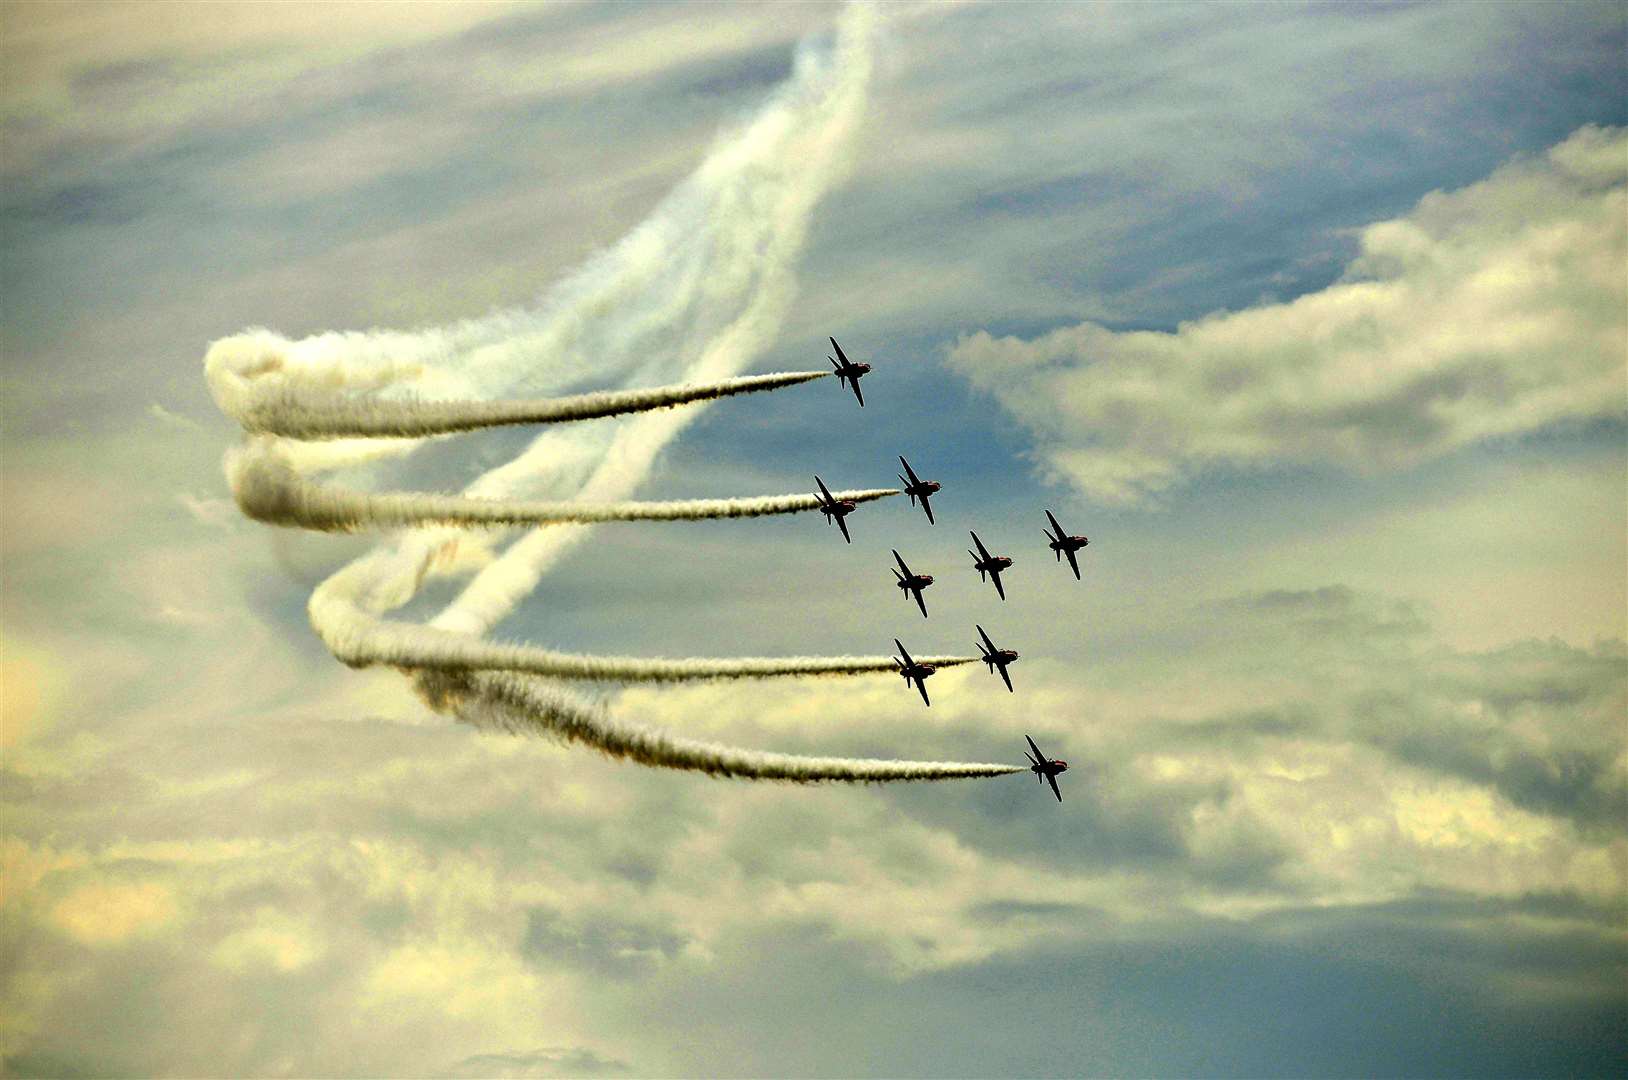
(902, 566)
(824, 490)
(1051, 779)
(921, 604)
(908, 471)
(1039, 757)
(903, 652)
(1054, 525)
(921, 684)
(842, 524)
(996, 574)
(1007, 679)
(858, 394)
(1073, 562)
(929, 509)
(985, 636)
(840, 354)
(983, 552)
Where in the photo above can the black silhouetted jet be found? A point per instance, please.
(833, 507)
(914, 487)
(913, 671)
(1063, 544)
(849, 373)
(912, 583)
(1046, 769)
(985, 563)
(996, 658)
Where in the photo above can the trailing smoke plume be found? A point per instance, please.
(516, 704)
(268, 490)
(692, 296)
(360, 639)
(290, 410)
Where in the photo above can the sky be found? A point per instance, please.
(1313, 317)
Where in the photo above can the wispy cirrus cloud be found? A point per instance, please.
(1496, 310)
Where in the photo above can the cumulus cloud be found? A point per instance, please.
(478, 901)
(1494, 310)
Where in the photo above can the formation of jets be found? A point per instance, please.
(912, 584)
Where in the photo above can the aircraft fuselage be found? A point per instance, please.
(1000, 657)
(923, 487)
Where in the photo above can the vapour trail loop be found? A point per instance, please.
(674, 313)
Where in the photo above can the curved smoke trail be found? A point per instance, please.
(691, 296)
(515, 704)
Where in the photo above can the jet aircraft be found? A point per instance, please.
(985, 563)
(1046, 769)
(996, 658)
(912, 583)
(833, 507)
(914, 487)
(912, 671)
(849, 373)
(1063, 544)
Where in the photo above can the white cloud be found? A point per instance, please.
(473, 894)
(1496, 310)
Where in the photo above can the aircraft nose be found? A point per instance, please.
(927, 579)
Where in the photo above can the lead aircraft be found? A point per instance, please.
(849, 373)
(1046, 769)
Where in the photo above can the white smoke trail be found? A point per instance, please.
(693, 295)
(268, 489)
(517, 704)
(733, 232)
(360, 640)
(294, 412)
